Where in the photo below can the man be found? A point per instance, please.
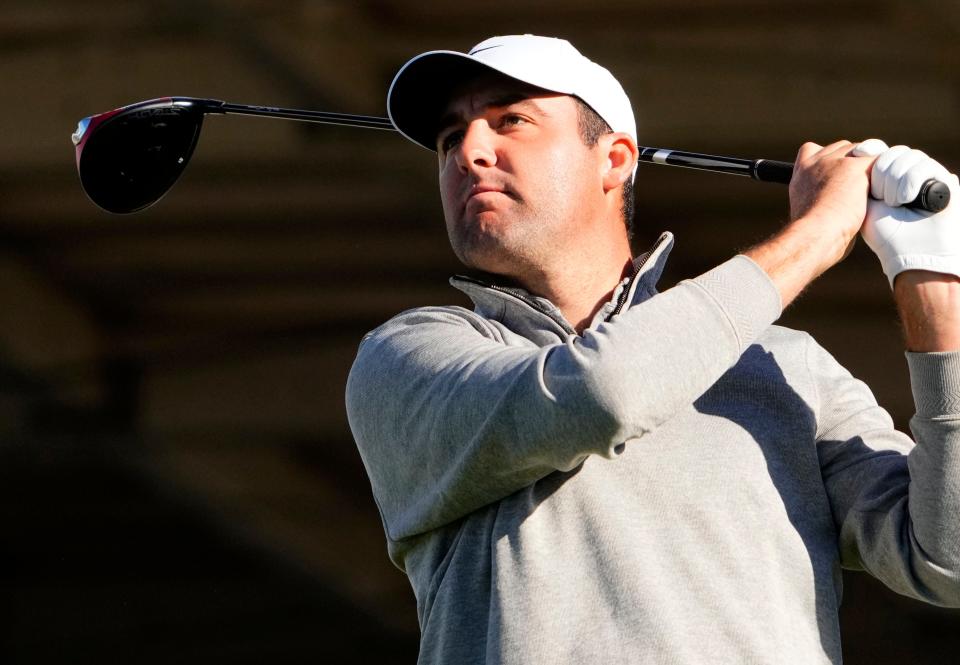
(583, 470)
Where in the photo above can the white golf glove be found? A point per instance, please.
(905, 239)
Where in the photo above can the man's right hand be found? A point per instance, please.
(830, 189)
(828, 203)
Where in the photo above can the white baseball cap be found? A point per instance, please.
(421, 89)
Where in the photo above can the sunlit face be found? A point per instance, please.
(516, 179)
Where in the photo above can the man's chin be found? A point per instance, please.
(491, 257)
(485, 220)
(483, 254)
(490, 242)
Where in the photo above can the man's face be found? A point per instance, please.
(517, 182)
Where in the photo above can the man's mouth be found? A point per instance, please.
(480, 192)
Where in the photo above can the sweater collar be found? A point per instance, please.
(527, 313)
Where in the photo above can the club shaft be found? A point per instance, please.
(323, 117)
(759, 169)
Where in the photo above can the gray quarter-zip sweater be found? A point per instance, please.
(679, 484)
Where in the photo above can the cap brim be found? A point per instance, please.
(421, 91)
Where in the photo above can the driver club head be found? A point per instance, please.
(130, 157)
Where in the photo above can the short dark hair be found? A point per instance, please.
(592, 127)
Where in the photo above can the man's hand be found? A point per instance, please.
(828, 203)
(830, 184)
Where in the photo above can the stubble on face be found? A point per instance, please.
(506, 202)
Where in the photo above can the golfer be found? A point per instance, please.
(583, 469)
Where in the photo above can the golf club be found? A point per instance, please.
(130, 157)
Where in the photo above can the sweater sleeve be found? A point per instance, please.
(449, 418)
(896, 503)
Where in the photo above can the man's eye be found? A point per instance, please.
(451, 140)
(511, 119)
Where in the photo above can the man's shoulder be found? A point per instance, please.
(782, 338)
(432, 322)
(795, 350)
(790, 349)
(431, 314)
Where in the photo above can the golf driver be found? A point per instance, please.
(130, 157)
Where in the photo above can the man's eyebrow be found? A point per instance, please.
(507, 99)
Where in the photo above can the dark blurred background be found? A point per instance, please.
(178, 480)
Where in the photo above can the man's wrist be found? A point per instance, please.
(799, 253)
(929, 307)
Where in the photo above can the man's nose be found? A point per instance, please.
(477, 148)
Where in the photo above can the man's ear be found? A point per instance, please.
(621, 156)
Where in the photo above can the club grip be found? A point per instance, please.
(934, 195)
(769, 170)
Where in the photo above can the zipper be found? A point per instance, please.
(622, 300)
